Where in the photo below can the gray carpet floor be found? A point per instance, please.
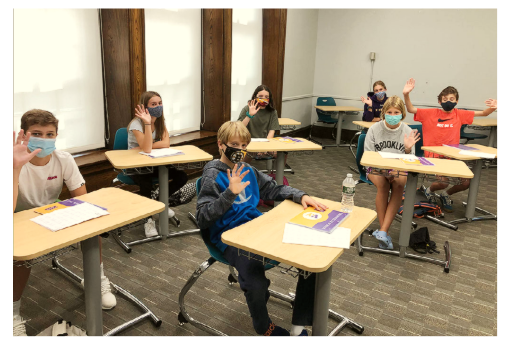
(388, 295)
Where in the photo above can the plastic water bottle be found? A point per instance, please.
(348, 190)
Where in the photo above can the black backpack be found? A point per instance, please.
(420, 242)
(182, 196)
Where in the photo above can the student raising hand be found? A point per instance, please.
(253, 107)
(20, 153)
(235, 179)
(410, 140)
(367, 101)
(143, 114)
(409, 86)
(308, 201)
(491, 103)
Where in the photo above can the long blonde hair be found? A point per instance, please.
(160, 122)
(394, 102)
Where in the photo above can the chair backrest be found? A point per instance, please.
(206, 237)
(329, 101)
(359, 154)
(418, 152)
(121, 139)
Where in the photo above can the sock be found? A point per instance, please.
(296, 330)
(15, 307)
(102, 272)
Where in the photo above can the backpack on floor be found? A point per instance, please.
(270, 203)
(421, 243)
(421, 208)
(182, 196)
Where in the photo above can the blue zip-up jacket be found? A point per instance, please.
(219, 210)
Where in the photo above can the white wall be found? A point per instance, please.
(437, 47)
(298, 73)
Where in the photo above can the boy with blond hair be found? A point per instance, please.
(225, 202)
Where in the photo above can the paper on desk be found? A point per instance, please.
(256, 140)
(295, 234)
(158, 153)
(64, 218)
(477, 154)
(396, 155)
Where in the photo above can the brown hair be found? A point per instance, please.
(38, 117)
(231, 129)
(160, 122)
(447, 91)
(394, 102)
(379, 82)
(259, 88)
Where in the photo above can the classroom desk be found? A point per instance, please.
(264, 235)
(341, 113)
(127, 159)
(288, 124)
(475, 182)
(485, 122)
(442, 167)
(281, 148)
(32, 240)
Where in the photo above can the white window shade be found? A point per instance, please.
(246, 56)
(57, 67)
(173, 65)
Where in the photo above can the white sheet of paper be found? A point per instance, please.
(477, 154)
(396, 155)
(64, 218)
(259, 139)
(162, 152)
(295, 234)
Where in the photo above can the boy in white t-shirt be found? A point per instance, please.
(39, 171)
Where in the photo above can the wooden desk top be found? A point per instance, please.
(368, 124)
(264, 236)
(31, 240)
(125, 159)
(454, 152)
(485, 122)
(273, 145)
(288, 122)
(337, 108)
(442, 167)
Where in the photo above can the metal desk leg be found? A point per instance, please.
(492, 136)
(321, 303)
(341, 116)
(407, 214)
(471, 202)
(163, 197)
(92, 276)
(280, 166)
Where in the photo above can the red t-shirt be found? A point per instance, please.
(439, 127)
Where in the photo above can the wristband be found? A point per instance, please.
(147, 124)
(248, 114)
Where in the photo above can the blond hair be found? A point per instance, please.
(231, 129)
(394, 102)
(379, 82)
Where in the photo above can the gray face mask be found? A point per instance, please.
(156, 111)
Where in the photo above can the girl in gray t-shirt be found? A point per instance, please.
(389, 135)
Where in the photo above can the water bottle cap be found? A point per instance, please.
(349, 175)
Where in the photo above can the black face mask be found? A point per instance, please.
(234, 155)
(447, 106)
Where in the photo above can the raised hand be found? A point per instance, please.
(142, 113)
(20, 153)
(308, 201)
(491, 103)
(235, 179)
(412, 139)
(367, 101)
(253, 107)
(409, 86)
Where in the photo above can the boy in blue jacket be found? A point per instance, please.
(225, 202)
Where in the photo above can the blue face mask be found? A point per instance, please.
(392, 120)
(47, 146)
(156, 111)
(381, 94)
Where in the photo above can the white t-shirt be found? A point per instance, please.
(41, 185)
(136, 125)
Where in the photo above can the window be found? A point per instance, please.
(246, 56)
(173, 64)
(57, 67)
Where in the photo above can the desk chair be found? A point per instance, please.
(470, 136)
(325, 116)
(120, 142)
(217, 255)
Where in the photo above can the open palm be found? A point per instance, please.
(409, 86)
(412, 139)
(235, 179)
(253, 107)
(142, 113)
(20, 153)
(367, 101)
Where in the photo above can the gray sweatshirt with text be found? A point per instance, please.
(382, 138)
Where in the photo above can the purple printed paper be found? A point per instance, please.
(74, 202)
(425, 161)
(463, 147)
(330, 224)
(293, 139)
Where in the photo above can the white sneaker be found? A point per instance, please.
(19, 329)
(150, 228)
(108, 300)
(171, 213)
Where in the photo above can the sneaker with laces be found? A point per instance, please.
(108, 300)
(150, 228)
(275, 330)
(384, 239)
(429, 195)
(19, 329)
(447, 203)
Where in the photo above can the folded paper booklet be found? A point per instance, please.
(295, 234)
(477, 154)
(325, 221)
(158, 153)
(288, 140)
(463, 147)
(63, 218)
(396, 155)
(417, 161)
(258, 140)
(61, 205)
